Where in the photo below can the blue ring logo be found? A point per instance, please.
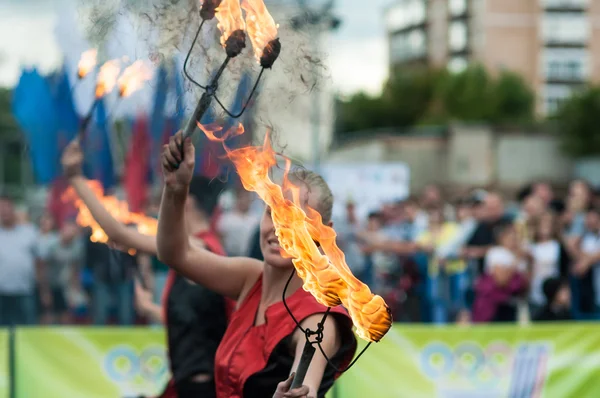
(125, 364)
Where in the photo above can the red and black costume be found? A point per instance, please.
(252, 360)
(195, 317)
(196, 320)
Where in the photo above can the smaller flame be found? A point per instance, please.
(87, 62)
(133, 78)
(118, 209)
(229, 15)
(107, 77)
(261, 27)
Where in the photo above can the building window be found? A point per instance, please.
(566, 64)
(565, 4)
(405, 14)
(457, 7)
(458, 36)
(408, 45)
(457, 64)
(554, 96)
(566, 28)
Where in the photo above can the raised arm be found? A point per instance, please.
(225, 275)
(117, 232)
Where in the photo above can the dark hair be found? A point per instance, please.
(206, 192)
(501, 229)
(376, 215)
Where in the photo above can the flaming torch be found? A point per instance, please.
(263, 34)
(106, 82)
(326, 276)
(118, 209)
(87, 63)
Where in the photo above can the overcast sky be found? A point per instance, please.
(358, 57)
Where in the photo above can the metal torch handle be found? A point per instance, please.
(307, 355)
(200, 110)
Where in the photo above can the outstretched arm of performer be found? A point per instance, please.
(224, 275)
(118, 232)
(331, 344)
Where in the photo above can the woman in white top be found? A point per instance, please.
(549, 258)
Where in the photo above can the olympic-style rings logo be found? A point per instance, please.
(124, 364)
(468, 361)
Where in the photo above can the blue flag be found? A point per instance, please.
(97, 149)
(35, 112)
(68, 120)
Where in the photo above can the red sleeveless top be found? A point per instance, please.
(245, 349)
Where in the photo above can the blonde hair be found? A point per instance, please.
(314, 181)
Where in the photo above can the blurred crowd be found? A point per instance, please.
(434, 258)
(481, 257)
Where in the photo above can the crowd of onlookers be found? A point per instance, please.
(434, 258)
(481, 258)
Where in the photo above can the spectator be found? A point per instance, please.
(113, 272)
(347, 229)
(504, 281)
(544, 192)
(19, 264)
(63, 262)
(578, 201)
(432, 198)
(47, 237)
(549, 259)
(443, 271)
(238, 225)
(489, 213)
(558, 301)
(383, 264)
(532, 207)
(587, 277)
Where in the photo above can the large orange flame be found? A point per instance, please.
(87, 62)
(107, 77)
(133, 78)
(326, 275)
(229, 15)
(118, 209)
(261, 27)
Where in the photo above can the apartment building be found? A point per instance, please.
(553, 44)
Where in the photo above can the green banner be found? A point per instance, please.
(4, 375)
(555, 360)
(90, 362)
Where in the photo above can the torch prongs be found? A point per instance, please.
(187, 58)
(205, 101)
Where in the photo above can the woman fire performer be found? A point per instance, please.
(262, 344)
(195, 317)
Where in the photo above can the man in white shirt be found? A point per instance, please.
(238, 225)
(18, 261)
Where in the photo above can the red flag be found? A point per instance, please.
(61, 210)
(137, 166)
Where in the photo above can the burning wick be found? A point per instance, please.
(262, 32)
(87, 63)
(133, 78)
(107, 79)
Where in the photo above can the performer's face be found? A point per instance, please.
(269, 244)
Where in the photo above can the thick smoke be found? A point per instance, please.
(167, 27)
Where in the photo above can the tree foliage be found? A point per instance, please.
(412, 96)
(577, 122)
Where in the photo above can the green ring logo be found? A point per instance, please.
(124, 363)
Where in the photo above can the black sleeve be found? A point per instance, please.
(564, 262)
(475, 238)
